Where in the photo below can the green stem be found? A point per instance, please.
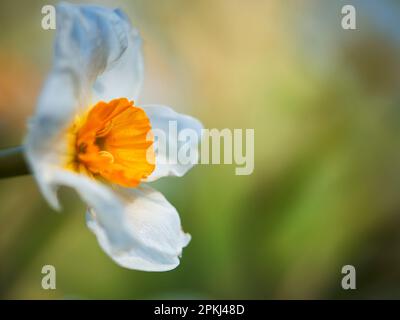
(13, 163)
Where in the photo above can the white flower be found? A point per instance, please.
(88, 134)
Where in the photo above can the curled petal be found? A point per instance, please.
(108, 206)
(176, 128)
(156, 238)
(124, 77)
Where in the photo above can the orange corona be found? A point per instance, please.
(113, 142)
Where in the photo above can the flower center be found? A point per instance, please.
(113, 141)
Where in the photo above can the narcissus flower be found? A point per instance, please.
(89, 134)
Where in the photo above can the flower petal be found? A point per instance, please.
(164, 119)
(107, 205)
(155, 228)
(124, 77)
(91, 42)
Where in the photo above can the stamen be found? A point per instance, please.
(108, 155)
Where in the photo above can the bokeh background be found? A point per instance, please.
(325, 106)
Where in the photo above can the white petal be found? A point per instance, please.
(160, 119)
(92, 43)
(124, 77)
(155, 227)
(108, 206)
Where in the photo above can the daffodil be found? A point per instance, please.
(90, 134)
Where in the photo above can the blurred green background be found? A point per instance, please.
(325, 106)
